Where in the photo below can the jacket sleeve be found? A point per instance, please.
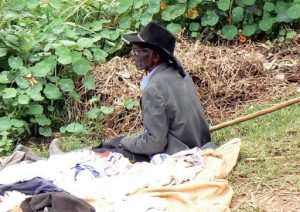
(154, 138)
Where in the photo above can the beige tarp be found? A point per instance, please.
(209, 191)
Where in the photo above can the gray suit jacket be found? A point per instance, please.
(173, 116)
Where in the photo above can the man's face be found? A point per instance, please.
(142, 57)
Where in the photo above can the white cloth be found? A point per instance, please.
(118, 177)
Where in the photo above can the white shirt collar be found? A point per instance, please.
(146, 79)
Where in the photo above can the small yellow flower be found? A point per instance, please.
(163, 5)
(31, 79)
(192, 13)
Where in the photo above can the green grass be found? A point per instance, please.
(69, 142)
(274, 141)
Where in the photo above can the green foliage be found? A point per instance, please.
(6, 144)
(46, 45)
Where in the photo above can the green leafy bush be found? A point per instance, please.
(230, 19)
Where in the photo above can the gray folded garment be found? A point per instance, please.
(55, 202)
(21, 153)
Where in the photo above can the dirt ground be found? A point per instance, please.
(272, 201)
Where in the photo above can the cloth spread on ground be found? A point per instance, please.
(55, 202)
(35, 186)
(191, 180)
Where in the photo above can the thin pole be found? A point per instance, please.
(256, 114)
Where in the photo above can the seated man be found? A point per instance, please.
(173, 116)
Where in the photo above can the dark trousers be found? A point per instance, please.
(115, 146)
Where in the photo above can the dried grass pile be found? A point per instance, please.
(227, 78)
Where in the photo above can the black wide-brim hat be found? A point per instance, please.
(158, 38)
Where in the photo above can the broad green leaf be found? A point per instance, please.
(146, 18)
(10, 16)
(237, 14)
(9, 93)
(110, 34)
(75, 96)
(266, 24)
(3, 52)
(123, 6)
(45, 131)
(35, 110)
(81, 66)
(50, 108)
(35, 94)
(249, 30)
(294, 11)
(249, 2)
(229, 32)
(15, 62)
(100, 55)
(64, 55)
(51, 91)
(54, 79)
(269, 6)
(88, 54)
(106, 110)
(138, 4)
(193, 3)
(224, 5)
(5, 123)
(291, 35)
(210, 19)
(174, 28)
(283, 17)
(182, 1)
(89, 83)
(194, 34)
(22, 82)
(125, 22)
(23, 99)
(69, 43)
(17, 123)
(282, 32)
(194, 26)
(32, 4)
(62, 129)
(281, 7)
(66, 85)
(153, 7)
(96, 26)
(41, 69)
(4, 79)
(42, 120)
(94, 113)
(76, 56)
(249, 17)
(85, 42)
(75, 128)
(94, 100)
(18, 5)
(172, 12)
(129, 104)
(71, 34)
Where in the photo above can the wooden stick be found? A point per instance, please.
(256, 114)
